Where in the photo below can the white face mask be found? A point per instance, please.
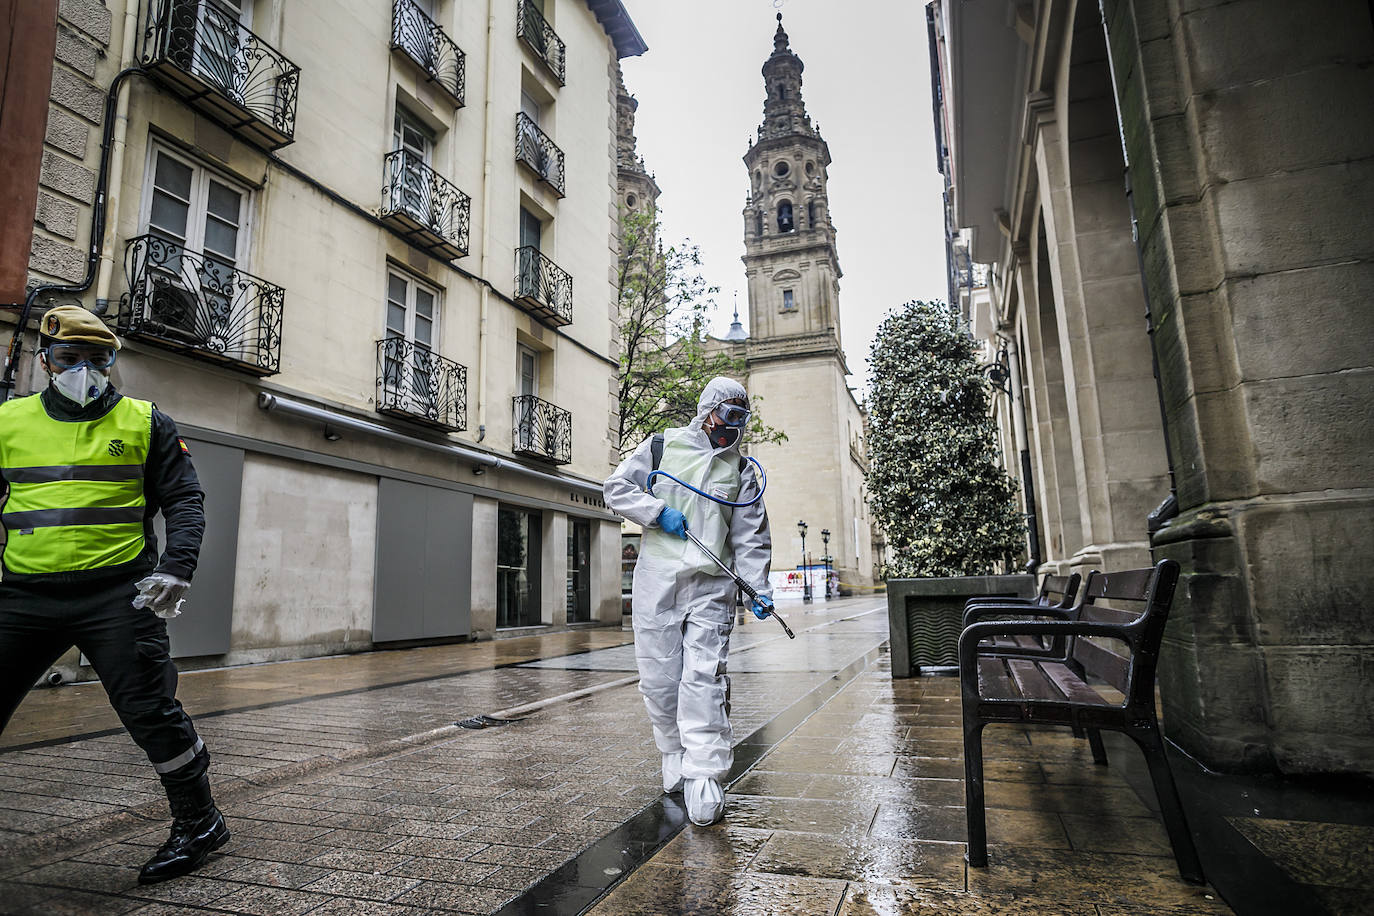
(82, 384)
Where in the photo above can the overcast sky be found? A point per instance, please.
(866, 84)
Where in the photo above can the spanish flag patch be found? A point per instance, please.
(182, 442)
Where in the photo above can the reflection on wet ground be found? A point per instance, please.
(349, 791)
(860, 811)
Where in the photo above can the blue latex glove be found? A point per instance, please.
(673, 522)
(762, 607)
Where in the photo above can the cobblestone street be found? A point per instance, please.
(349, 790)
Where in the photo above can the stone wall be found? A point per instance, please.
(71, 145)
(1252, 161)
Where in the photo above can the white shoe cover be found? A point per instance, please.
(672, 772)
(705, 801)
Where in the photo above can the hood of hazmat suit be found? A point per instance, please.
(683, 605)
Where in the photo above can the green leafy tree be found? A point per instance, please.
(934, 482)
(666, 357)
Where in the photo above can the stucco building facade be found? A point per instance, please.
(1183, 189)
(364, 253)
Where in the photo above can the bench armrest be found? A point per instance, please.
(994, 611)
(995, 600)
(975, 633)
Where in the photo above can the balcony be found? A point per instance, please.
(425, 43)
(416, 383)
(542, 430)
(202, 52)
(431, 213)
(542, 288)
(535, 32)
(195, 304)
(534, 148)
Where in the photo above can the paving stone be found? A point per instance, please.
(766, 813)
(870, 859)
(1090, 878)
(273, 874)
(437, 848)
(873, 900)
(365, 886)
(657, 889)
(461, 898)
(365, 861)
(270, 900)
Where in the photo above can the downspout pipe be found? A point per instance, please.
(1169, 507)
(481, 461)
(1018, 420)
(96, 244)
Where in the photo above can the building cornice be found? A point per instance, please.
(615, 19)
(795, 346)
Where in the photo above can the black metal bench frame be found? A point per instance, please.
(1012, 684)
(1064, 587)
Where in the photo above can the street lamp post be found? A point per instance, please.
(825, 540)
(806, 572)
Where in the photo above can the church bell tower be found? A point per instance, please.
(790, 261)
(794, 362)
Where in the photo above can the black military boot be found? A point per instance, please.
(198, 829)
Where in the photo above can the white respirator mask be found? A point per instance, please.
(82, 384)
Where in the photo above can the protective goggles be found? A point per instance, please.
(69, 356)
(733, 414)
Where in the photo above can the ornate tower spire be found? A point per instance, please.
(784, 112)
(789, 240)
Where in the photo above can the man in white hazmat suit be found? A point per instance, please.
(683, 604)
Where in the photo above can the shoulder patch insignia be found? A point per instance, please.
(182, 442)
(116, 447)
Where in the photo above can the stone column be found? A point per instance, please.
(1252, 160)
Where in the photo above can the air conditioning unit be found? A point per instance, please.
(172, 314)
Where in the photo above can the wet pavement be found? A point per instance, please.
(349, 790)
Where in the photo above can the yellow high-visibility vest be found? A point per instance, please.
(76, 497)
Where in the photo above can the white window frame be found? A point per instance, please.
(406, 381)
(413, 283)
(201, 176)
(789, 300)
(521, 351)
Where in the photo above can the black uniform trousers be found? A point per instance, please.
(127, 647)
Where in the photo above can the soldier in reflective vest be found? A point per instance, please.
(86, 470)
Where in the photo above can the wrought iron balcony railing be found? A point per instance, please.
(542, 430)
(194, 303)
(425, 43)
(202, 51)
(415, 382)
(433, 214)
(534, 148)
(542, 288)
(539, 37)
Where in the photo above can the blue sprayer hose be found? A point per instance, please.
(763, 485)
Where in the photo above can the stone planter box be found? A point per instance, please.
(924, 616)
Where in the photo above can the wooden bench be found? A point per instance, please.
(1030, 684)
(1057, 599)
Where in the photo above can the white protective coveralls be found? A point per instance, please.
(683, 605)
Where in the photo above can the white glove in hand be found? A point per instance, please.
(161, 592)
